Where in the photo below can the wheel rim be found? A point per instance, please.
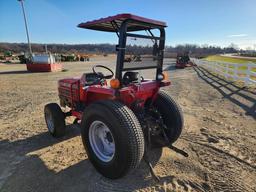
(49, 121)
(101, 141)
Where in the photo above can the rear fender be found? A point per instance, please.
(140, 93)
(97, 93)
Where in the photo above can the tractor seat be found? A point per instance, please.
(130, 77)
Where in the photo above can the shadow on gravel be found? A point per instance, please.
(25, 72)
(39, 141)
(30, 173)
(13, 72)
(15, 152)
(237, 95)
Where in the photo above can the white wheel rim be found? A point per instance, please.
(101, 141)
(49, 122)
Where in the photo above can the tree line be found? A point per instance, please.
(194, 50)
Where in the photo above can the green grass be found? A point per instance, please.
(229, 59)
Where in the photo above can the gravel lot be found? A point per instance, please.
(219, 136)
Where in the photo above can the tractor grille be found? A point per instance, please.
(69, 92)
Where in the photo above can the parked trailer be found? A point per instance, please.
(43, 63)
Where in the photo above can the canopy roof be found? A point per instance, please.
(112, 23)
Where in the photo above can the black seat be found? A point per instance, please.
(130, 77)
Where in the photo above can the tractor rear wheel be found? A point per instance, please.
(171, 114)
(112, 137)
(55, 119)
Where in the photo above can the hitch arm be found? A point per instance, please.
(177, 150)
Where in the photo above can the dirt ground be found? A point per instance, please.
(219, 135)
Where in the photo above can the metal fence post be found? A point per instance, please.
(236, 72)
(216, 67)
(248, 74)
(226, 70)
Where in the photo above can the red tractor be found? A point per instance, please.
(183, 61)
(121, 120)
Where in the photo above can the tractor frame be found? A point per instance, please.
(123, 119)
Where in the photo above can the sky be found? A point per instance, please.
(202, 22)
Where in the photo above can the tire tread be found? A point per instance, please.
(58, 118)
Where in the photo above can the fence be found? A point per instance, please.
(245, 72)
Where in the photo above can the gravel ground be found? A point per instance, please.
(219, 136)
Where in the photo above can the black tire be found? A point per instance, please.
(127, 135)
(172, 115)
(53, 113)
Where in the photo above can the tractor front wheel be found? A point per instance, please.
(55, 119)
(112, 137)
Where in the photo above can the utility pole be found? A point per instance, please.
(26, 26)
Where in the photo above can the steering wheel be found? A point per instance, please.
(100, 74)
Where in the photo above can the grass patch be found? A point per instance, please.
(229, 59)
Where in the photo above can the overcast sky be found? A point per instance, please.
(215, 22)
